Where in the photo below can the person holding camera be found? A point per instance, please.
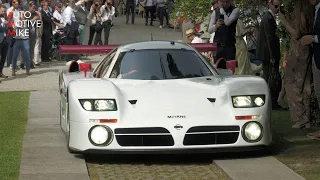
(107, 11)
(95, 23)
(58, 19)
(223, 23)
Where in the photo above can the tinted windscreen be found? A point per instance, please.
(159, 64)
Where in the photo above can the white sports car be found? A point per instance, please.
(161, 97)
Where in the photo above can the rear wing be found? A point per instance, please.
(100, 49)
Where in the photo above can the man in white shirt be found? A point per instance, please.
(192, 36)
(58, 17)
(107, 11)
(68, 14)
(71, 24)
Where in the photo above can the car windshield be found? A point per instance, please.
(159, 64)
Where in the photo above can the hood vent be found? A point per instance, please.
(212, 100)
(132, 102)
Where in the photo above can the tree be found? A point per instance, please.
(193, 10)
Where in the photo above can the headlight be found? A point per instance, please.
(100, 135)
(252, 132)
(99, 104)
(248, 101)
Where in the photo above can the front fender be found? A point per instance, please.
(93, 89)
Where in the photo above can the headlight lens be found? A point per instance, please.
(100, 135)
(259, 101)
(242, 101)
(99, 104)
(252, 132)
(87, 105)
(248, 101)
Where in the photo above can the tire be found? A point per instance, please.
(68, 136)
(61, 117)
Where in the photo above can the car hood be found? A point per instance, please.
(197, 99)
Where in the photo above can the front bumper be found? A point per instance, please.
(79, 141)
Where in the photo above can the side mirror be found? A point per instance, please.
(225, 72)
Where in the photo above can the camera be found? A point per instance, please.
(56, 20)
(221, 17)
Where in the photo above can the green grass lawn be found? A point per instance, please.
(293, 148)
(13, 120)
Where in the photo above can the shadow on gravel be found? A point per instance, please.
(24, 75)
(174, 158)
(148, 159)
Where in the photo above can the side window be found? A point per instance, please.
(106, 66)
(99, 68)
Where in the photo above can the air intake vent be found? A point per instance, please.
(133, 101)
(212, 99)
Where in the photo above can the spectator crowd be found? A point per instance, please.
(53, 23)
(260, 54)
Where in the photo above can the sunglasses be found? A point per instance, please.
(276, 6)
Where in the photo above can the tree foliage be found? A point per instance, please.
(194, 10)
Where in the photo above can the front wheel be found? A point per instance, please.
(68, 136)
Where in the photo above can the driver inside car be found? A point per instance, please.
(135, 69)
(129, 67)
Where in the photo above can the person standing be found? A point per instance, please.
(150, 4)
(314, 40)
(242, 56)
(47, 31)
(3, 39)
(223, 22)
(161, 11)
(95, 23)
(107, 11)
(268, 45)
(71, 27)
(33, 32)
(298, 68)
(130, 7)
(21, 43)
(11, 40)
(81, 14)
(37, 47)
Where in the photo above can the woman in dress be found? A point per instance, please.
(242, 56)
(298, 69)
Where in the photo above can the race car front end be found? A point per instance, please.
(213, 126)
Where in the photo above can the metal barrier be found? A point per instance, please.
(101, 49)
